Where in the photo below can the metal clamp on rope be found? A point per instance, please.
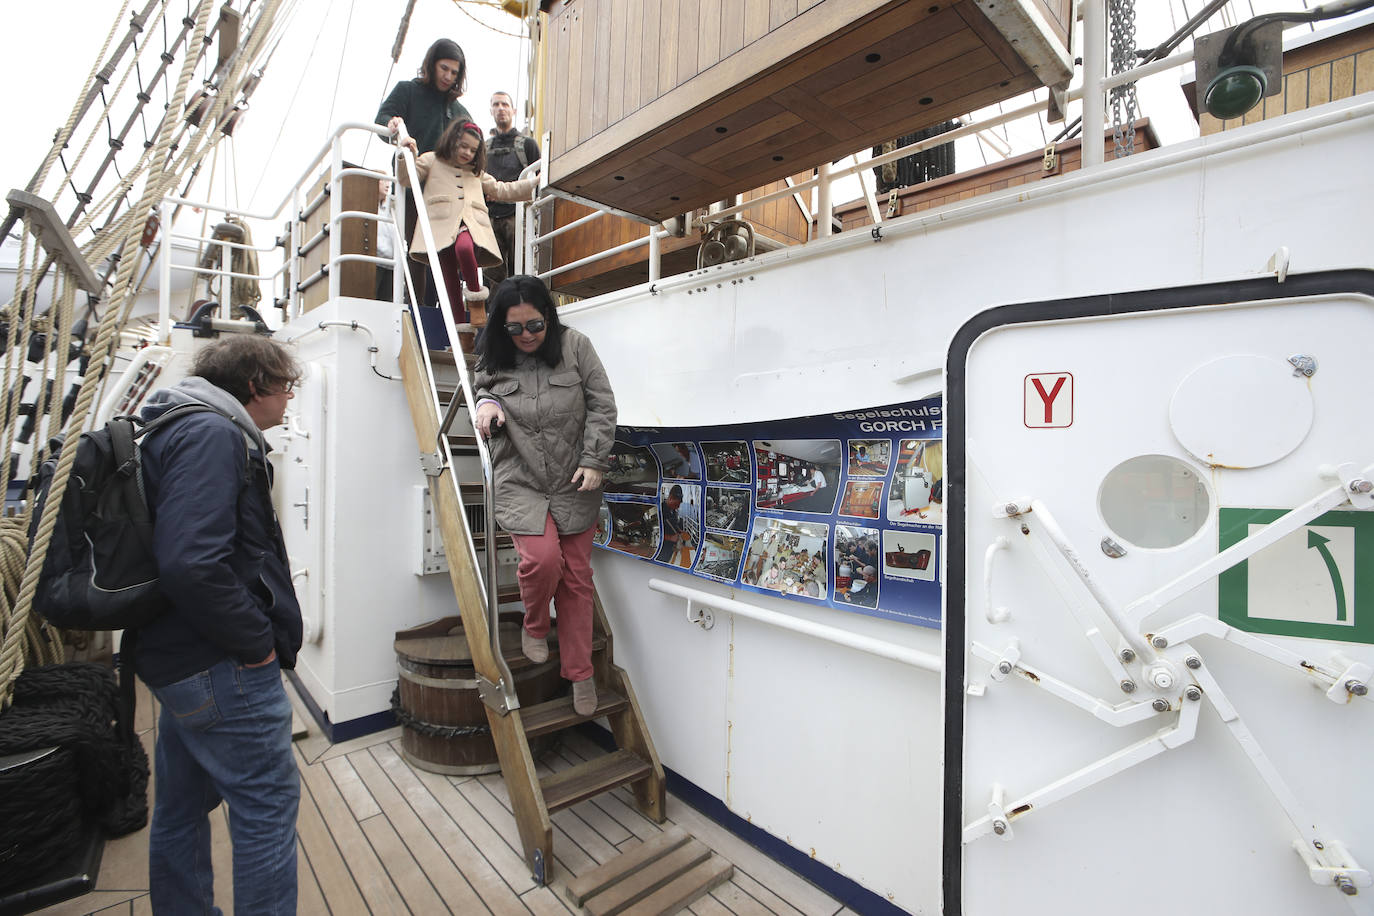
(496, 697)
(432, 463)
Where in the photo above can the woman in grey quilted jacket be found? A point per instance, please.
(546, 407)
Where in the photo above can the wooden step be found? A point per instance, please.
(459, 442)
(658, 877)
(588, 884)
(445, 358)
(587, 780)
(691, 885)
(556, 715)
(503, 540)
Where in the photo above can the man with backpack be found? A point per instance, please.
(214, 658)
(509, 152)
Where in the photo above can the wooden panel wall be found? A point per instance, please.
(620, 55)
(1322, 72)
(1059, 14)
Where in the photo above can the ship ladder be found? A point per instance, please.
(533, 798)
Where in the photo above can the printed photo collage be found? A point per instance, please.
(716, 508)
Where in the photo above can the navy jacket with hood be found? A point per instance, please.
(221, 558)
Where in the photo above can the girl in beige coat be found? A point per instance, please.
(455, 191)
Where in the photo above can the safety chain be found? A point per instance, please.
(429, 729)
(1121, 25)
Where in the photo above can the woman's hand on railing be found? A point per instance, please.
(487, 411)
(590, 477)
(403, 138)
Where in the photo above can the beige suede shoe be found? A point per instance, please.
(536, 649)
(584, 697)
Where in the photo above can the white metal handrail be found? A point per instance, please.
(907, 656)
(1350, 110)
(406, 160)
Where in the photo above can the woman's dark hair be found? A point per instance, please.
(498, 349)
(447, 147)
(236, 360)
(445, 49)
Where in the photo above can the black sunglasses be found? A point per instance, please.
(534, 326)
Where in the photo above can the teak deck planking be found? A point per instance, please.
(376, 835)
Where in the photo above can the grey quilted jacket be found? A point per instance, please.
(557, 420)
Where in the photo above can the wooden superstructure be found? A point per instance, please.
(663, 106)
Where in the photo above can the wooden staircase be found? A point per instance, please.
(533, 799)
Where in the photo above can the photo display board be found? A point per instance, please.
(841, 509)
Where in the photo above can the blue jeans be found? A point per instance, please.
(225, 734)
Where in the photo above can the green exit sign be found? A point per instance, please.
(1317, 582)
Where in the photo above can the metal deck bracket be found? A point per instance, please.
(1359, 487)
(1006, 664)
(54, 237)
(540, 876)
(700, 615)
(1001, 824)
(495, 696)
(1350, 683)
(1328, 863)
(432, 463)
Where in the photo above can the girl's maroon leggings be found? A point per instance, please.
(459, 262)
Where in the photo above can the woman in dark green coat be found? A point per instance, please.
(427, 104)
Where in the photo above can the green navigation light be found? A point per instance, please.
(1234, 91)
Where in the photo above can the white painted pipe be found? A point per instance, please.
(890, 651)
(1094, 69)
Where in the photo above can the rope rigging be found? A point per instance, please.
(46, 343)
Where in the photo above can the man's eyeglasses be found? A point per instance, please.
(534, 326)
(286, 388)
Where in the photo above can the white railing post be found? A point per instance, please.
(823, 208)
(521, 240)
(400, 245)
(226, 284)
(655, 267)
(335, 208)
(164, 279)
(1094, 69)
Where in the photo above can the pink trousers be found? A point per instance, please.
(558, 567)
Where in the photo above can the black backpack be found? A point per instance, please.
(100, 572)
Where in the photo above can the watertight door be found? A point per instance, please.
(1160, 620)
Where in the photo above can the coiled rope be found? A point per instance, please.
(96, 772)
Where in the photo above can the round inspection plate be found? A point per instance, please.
(1242, 411)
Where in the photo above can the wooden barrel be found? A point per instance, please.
(444, 722)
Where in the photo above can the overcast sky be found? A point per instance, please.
(334, 66)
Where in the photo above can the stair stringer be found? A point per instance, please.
(507, 731)
(628, 726)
